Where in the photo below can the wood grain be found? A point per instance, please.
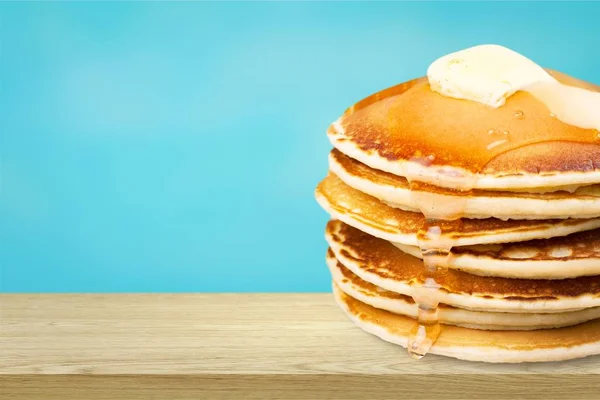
(239, 346)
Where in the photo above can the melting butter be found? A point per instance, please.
(489, 74)
(572, 105)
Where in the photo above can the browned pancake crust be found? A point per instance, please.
(547, 157)
(380, 257)
(372, 212)
(454, 336)
(357, 169)
(367, 288)
(411, 121)
(582, 245)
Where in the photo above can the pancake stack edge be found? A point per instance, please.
(522, 280)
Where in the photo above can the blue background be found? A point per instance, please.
(176, 146)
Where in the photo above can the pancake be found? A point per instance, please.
(354, 286)
(370, 215)
(572, 81)
(582, 202)
(557, 258)
(476, 345)
(405, 130)
(381, 263)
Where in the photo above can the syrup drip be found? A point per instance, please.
(428, 328)
(442, 220)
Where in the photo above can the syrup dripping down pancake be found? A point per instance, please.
(382, 264)
(372, 216)
(477, 345)
(581, 202)
(370, 294)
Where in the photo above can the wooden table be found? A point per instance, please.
(204, 346)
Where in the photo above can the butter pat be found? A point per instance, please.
(487, 74)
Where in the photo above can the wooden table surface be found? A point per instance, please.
(205, 346)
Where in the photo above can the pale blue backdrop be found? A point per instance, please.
(176, 146)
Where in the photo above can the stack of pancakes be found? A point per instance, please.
(514, 193)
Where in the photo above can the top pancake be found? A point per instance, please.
(409, 130)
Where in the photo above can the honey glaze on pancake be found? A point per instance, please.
(410, 121)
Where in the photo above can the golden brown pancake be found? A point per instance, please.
(557, 258)
(381, 263)
(373, 295)
(502, 175)
(582, 202)
(379, 219)
(477, 345)
(518, 145)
